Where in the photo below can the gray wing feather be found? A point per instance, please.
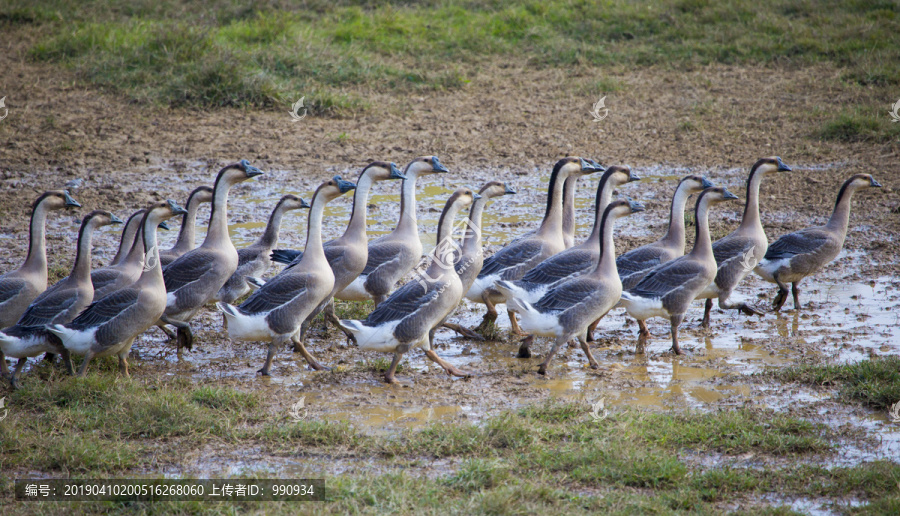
(667, 278)
(511, 257)
(560, 266)
(800, 242)
(566, 295)
(276, 292)
(43, 311)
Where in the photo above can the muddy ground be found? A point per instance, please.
(512, 123)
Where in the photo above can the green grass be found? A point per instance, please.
(549, 458)
(874, 382)
(861, 124)
(226, 53)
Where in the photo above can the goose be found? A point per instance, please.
(58, 304)
(668, 289)
(471, 257)
(576, 260)
(407, 319)
(392, 256)
(18, 288)
(275, 312)
(254, 261)
(738, 253)
(195, 277)
(109, 325)
(635, 264)
(125, 268)
(348, 254)
(520, 256)
(567, 310)
(803, 253)
(188, 231)
(129, 233)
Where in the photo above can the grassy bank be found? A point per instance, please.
(874, 383)
(630, 461)
(225, 53)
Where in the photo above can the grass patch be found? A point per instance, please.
(187, 53)
(874, 382)
(861, 125)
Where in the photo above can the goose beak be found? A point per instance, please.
(176, 209)
(596, 166)
(115, 220)
(635, 206)
(475, 197)
(706, 183)
(509, 191)
(782, 167)
(728, 195)
(70, 201)
(163, 225)
(395, 172)
(250, 170)
(437, 166)
(874, 183)
(304, 204)
(345, 186)
(632, 176)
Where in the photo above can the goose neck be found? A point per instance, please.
(840, 217)
(81, 270)
(702, 242)
(676, 233)
(357, 225)
(408, 222)
(36, 260)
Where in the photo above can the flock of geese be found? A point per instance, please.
(550, 286)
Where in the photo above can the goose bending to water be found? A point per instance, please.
(576, 260)
(737, 253)
(348, 254)
(803, 253)
(20, 287)
(254, 261)
(58, 304)
(520, 256)
(567, 310)
(635, 264)
(408, 318)
(275, 312)
(471, 257)
(187, 233)
(195, 278)
(109, 325)
(668, 289)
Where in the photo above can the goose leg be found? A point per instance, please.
(83, 368)
(389, 374)
(780, 298)
(795, 292)
(514, 324)
(706, 309)
(524, 352)
(298, 345)
(559, 342)
(643, 335)
(491, 314)
(123, 365)
(591, 329)
(332, 318)
(378, 299)
(171, 334)
(273, 347)
(184, 337)
(465, 332)
(67, 361)
(587, 352)
(744, 308)
(4, 368)
(437, 360)
(12, 378)
(675, 320)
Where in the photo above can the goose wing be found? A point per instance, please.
(560, 266)
(800, 242)
(730, 247)
(511, 258)
(668, 277)
(188, 268)
(106, 309)
(566, 295)
(10, 288)
(383, 253)
(638, 260)
(276, 292)
(43, 311)
(409, 299)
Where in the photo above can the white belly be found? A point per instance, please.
(355, 291)
(642, 308)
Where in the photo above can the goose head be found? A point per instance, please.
(163, 210)
(495, 189)
(292, 202)
(333, 188)
(862, 181)
(694, 184)
(56, 200)
(462, 198)
(382, 171)
(619, 175)
(237, 172)
(623, 207)
(770, 164)
(200, 195)
(425, 165)
(100, 218)
(716, 195)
